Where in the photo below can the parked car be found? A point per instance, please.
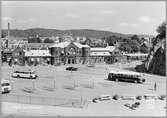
(133, 106)
(151, 96)
(72, 68)
(116, 97)
(128, 97)
(162, 97)
(102, 98)
(5, 86)
(95, 100)
(136, 104)
(24, 74)
(139, 97)
(91, 65)
(105, 97)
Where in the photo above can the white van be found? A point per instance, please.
(24, 74)
(5, 86)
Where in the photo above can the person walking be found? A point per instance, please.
(155, 86)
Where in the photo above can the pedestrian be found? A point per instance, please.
(155, 86)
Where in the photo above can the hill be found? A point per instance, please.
(42, 32)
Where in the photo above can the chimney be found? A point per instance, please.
(8, 30)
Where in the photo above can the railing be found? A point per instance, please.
(38, 100)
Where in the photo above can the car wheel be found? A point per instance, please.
(30, 77)
(18, 76)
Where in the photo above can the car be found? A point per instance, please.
(162, 97)
(116, 97)
(91, 65)
(5, 86)
(101, 98)
(105, 97)
(150, 96)
(139, 97)
(136, 104)
(24, 74)
(94, 100)
(72, 68)
(128, 97)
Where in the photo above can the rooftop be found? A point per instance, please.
(66, 43)
(106, 49)
(37, 53)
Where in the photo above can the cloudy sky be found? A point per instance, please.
(122, 17)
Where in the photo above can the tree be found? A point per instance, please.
(47, 40)
(144, 48)
(88, 41)
(111, 40)
(125, 47)
(129, 46)
(161, 30)
(136, 38)
(34, 40)
(134, 45)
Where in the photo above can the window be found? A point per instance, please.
(17, 54)
(5, 84)
(80, 52)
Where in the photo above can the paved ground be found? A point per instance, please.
(91, 82)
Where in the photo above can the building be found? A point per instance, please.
(18, 56)
(6, 55)
(136, 56)
(33, 57)
(38, 46)
(108, 55)
(69, 52)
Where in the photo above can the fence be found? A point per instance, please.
(53, 101)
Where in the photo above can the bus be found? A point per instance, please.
(5, 86)
(24, 74)
(125, 76)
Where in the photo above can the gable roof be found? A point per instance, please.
(37, 53)
(66, 43)
(106, 49)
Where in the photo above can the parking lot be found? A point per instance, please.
(88, 83)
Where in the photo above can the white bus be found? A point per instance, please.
(24, 74)
(5, 86)
(126, 76)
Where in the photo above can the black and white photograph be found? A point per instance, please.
(83, 58)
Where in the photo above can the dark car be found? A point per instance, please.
(71, 68)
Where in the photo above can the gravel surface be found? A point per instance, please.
(90, 82)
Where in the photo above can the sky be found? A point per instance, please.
(122, 17)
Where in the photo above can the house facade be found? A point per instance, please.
(18, 56)
(69, 53)
(34, 57)
(108, 55)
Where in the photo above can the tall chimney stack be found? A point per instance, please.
(8, 30)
